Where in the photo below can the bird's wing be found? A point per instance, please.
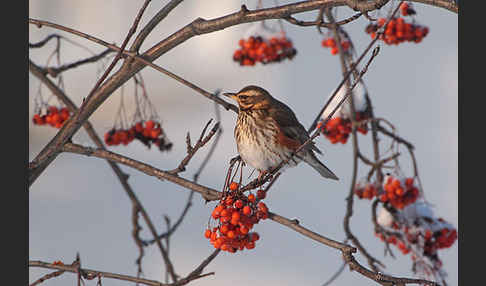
(290, 126)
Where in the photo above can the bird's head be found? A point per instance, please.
(251, 97)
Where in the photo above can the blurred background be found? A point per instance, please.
(78, 204)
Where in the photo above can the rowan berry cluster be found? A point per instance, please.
(331, 43)
(398, 31)
(236, 215)
(416, 230)
(443, 238)
(258, 49)
(366, 191)
(337, 129)
(399, 193)
(434, 240)
(54, 117)
(116, 137)
(148, 132)
(430, 240)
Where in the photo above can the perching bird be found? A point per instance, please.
(267, 132)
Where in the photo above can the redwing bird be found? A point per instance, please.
(267, 132)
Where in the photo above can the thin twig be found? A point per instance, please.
(335, 275)
(193, 149)
(47, 276)
(91, 274)
(207, 193)
(318, 23)
(136, 237)
(41, 43)
(55, 71)
(350, 198)
(195, 176)
(153, 23)
(118, 56)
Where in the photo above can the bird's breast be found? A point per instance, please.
(256, 136)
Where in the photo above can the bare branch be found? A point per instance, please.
(335, 275)
(47, 276)
(91, 274)
(55, 71)
(207, 193)
(118, 56)
(153, 23)
(192, 150)
(318, 23)
(43, 42)
(136, 237)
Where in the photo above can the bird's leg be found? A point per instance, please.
(261, 175)
(235, 159)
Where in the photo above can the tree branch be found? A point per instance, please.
(55, 71)
(91, 274)
(318, 23)
(207, 193)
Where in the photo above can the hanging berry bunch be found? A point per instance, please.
(264, 50)
(45, 112)
(264, 44)
(366, 190)
(398, 29)
(339, 126)
(399, 192)
(51, 115)
(234, 217)
(120, 133)
(416, 230)
(330, 42)
(145, 125)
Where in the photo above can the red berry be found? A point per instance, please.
(239, 204)
(246, 210)
(261, 194)
(207, 233)
(149, 124)
(233, 186)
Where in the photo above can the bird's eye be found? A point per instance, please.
(243, 97)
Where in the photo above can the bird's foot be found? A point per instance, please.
(261, 175)
(235, 159)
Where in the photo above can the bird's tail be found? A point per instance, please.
(312, 160)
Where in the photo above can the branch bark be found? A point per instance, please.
(90, 274)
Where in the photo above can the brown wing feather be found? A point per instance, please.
(290, 126)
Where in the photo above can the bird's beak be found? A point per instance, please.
(230, 95)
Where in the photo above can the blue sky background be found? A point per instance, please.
(78, 205)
